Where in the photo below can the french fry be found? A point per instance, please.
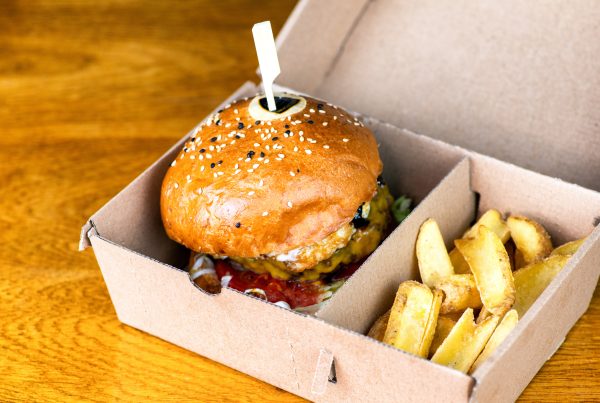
(377, 331)
(460, 292)
(531, 239)
(493, 220)
(465, 342)
(506, 325)
(431, 323)
(569, 248)
(459, 263)
(532, 280)
(432, 256)
(409, 326)
(442, 329)
(483, 315)
(489, 263)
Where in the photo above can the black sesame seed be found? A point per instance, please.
(202, 150)
(310, 122)
(287, 132)
(275, 138)
(238, 224)
(212, 165)
(185, 149)
(219, 162)
(298, 170)
(319, 106)
(220, 110)
(250, 154)
(240, 126)
(193, 139)
(257, 122)
(262, 155)
(237, 136)
(287, 126)
(213, 139)
(218, 122)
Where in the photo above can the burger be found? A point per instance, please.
(283, 205)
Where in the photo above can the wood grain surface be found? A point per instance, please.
(90, 94)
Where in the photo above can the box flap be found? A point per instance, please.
(519, 81)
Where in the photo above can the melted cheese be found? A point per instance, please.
(344, 246)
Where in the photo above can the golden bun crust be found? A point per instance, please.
(282, 184)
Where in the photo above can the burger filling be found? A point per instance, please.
(348, 244)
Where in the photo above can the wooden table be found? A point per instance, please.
(90, 94)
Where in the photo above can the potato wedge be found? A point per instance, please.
(377, 331)
(483, 315)
(432, 256)
(459, 263)
(569, 248)
(530, 237)
(429, 334)
(442, 329)
(493, 220)
(532, 280)
(489, 263)
(506, 325)
(465, 342)
(460, 293)
(409, 324)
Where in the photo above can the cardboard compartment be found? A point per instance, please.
(567, 211)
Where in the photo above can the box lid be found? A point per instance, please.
(516, 80)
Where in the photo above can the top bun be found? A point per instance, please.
(245, 187)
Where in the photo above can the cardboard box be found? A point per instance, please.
(423, 65)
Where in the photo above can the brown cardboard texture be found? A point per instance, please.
(515, 80)
(468, 73)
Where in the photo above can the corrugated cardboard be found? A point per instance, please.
(512, 79)
(439, 87)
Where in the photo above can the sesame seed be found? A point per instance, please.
(176, 185)
(289, 203)
(335, 118)
(192, 157)
(215, 175)
(280, 155)
(308, 151)
(267, 161)
(235, 111)
(228, 125)
(256, 145)
(295, 148)
(237, 166)
(301, 139)
(250, 170)
(292, 173)
(247, 159)
(326, 147)
(250, 193)
(345, 140)
(321, 111)
(208, 155)
(260, 183)
(267, 147)
(211, 148)
(202, 168)
(324, 123)
(219, 173)
(307, 115)
(265, 213)
(173, 163)
(237, 171)
(301, 132)
(255, 166)
(311, 110)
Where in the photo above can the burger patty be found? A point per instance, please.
(350, 243)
